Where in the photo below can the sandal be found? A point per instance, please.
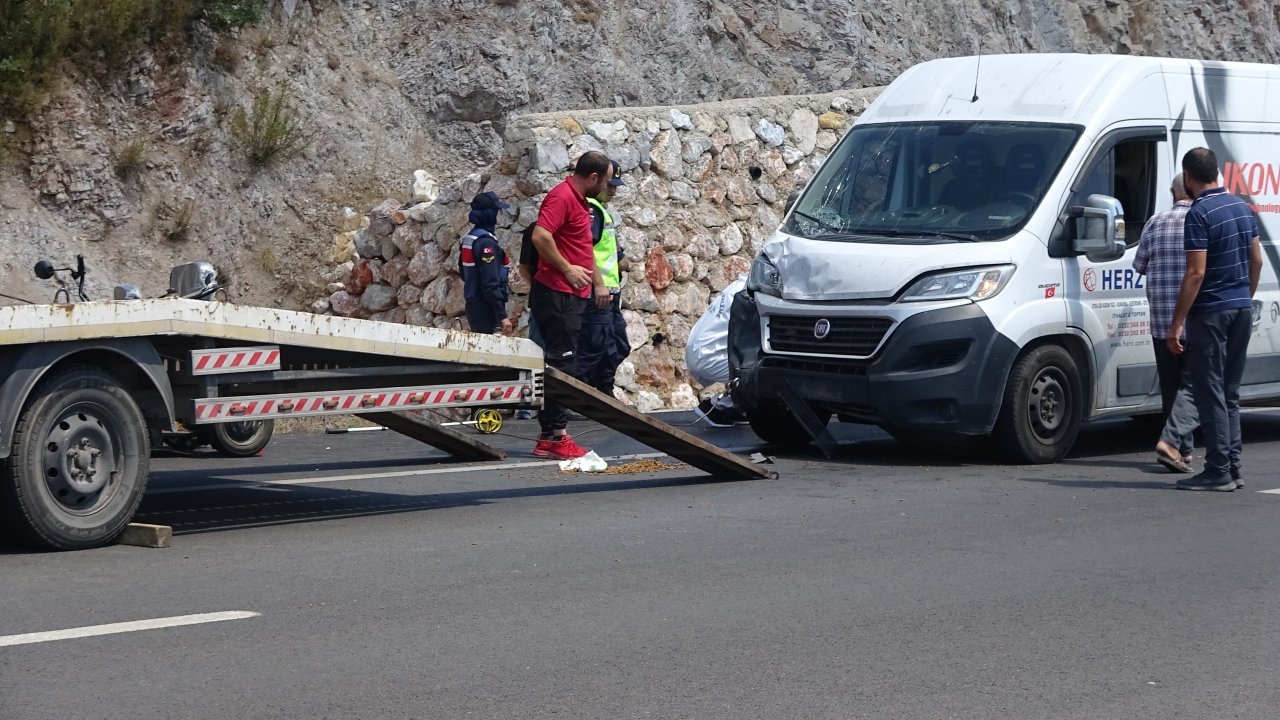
(1174, 464)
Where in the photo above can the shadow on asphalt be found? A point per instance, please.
(249, 466)
(263, 506)
(1098, 442)
(1106, 484)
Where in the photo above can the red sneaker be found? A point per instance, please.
(563, 448)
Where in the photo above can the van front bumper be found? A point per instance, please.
(939, 370)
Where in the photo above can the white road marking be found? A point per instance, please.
(124, 627)
(1275, 491)
(265, 484)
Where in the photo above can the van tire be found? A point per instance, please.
(78, 465)
(1042, 408)
(775, 424)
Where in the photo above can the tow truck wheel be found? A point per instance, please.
(775, 424)
(244, 438)
(78, 464)
(1042, 409)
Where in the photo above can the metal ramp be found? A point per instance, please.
(678, 444)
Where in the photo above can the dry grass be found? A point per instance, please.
(267, 258)
(227, 56)
(585, 12)
(131, 159)
(174, 220)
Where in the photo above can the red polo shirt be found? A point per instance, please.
(564, 214)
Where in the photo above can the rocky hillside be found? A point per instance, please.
(143, 171)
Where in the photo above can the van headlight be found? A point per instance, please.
(764, 277)
(974, 284)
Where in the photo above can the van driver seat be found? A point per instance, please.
(971, 187)
(1023, 170)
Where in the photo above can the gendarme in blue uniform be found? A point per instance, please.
(483, 264)
(1221, 225)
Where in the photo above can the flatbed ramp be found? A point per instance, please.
(607, 411)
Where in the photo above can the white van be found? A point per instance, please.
(961, 263)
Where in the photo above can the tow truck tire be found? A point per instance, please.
(78, 465)
(245, 438)
(1042, 408)
(776, 425)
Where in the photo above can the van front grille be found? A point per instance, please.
(848, 336)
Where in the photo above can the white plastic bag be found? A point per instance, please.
(707, 352)
(591, 462)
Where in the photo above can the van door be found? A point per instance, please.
(1107, 301)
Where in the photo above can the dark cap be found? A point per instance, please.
(616, 176)
(488, 201)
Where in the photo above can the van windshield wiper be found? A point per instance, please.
(962, 237)
(818, 220)
(923, 234)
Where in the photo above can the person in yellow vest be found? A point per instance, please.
(603, 344)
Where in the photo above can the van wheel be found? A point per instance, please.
(244, 438)
(1042, 408)
(78, 464)
(775, 424)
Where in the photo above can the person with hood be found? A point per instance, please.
(484, 267)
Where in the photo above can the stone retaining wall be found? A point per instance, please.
(705, 185)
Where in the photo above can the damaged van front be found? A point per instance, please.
(882, 296)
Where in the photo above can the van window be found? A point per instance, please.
(932, 182)
(1126, 172)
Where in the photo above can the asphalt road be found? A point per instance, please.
(889, 583)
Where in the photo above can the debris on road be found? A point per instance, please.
(591, 462)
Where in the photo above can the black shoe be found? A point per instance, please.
(1207, 481)
(1235, 475)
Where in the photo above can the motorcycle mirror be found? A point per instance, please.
(44, 269)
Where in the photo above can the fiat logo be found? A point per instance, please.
(822, 328)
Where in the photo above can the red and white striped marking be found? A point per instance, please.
(228, 360)
(213, 410)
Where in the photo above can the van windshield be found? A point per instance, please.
(932, 182)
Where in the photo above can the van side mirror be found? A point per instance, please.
(791, 201)
(1099, 229)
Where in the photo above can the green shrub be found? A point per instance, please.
(270, 130)
(227, 14)
(32, 36)
(37, 35)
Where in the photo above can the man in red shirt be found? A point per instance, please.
(562, 286)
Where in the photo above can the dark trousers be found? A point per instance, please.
(1180, 416)
(1217, 344)
(559, 318)
(483, 318)
(603, 345)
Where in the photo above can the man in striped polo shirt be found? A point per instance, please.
(1215, 305)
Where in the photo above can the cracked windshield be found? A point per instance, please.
(932, 182)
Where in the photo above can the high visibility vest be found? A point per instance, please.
(607, 249)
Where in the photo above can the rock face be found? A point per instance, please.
(663, 52)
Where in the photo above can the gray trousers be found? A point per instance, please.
(1217, 345)
(1180, 416)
